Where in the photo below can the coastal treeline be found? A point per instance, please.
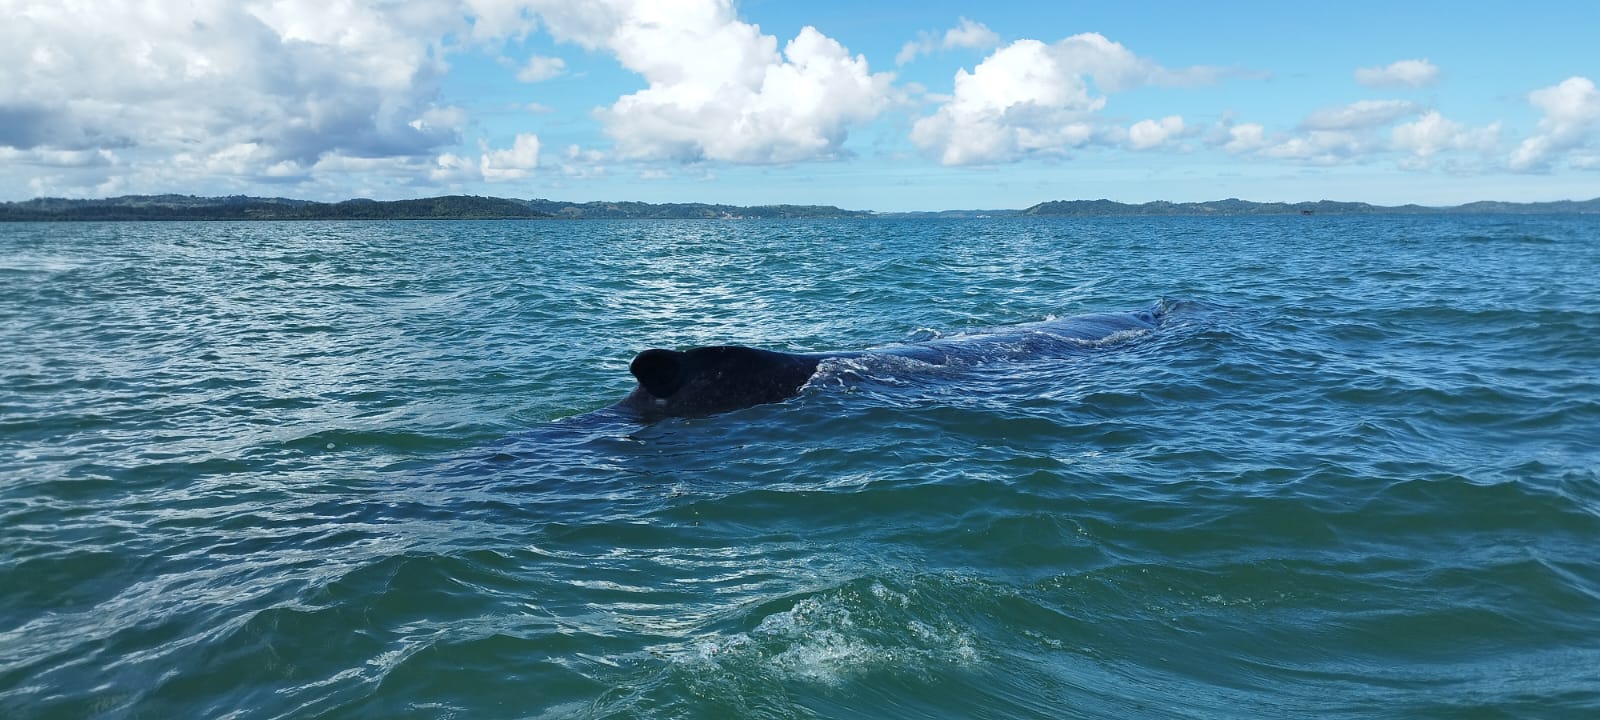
(450, 207)
(1234, 206)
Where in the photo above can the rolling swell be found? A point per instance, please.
(317, 470)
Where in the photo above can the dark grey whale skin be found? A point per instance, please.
(716, 379)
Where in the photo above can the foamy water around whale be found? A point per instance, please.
(356, 470)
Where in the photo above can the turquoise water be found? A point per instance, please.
(348, 471)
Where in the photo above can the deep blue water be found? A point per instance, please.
(346, 470)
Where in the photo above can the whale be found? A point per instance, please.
(710, 380)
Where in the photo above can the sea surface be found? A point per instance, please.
(354, 470)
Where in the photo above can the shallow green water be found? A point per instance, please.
(345, 470)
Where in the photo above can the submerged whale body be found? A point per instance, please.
(709, 380)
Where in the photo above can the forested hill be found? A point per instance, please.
(238, 207)
(453, 207)
(1231, 206)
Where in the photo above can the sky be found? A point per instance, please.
(887, 106)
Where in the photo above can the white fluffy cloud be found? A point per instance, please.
(1030, 98)
(512, 163)
(450, 167)
(720, 90)
(281, 89)
(539, 68)
(969, 34)
(492, 165)
(241, 88)
(1148, 134)
(300, 79)
(1322, 147)
(1402, 73)
(966, 34)
(1364, 131)
(1245, 138)
(59, 158)
(1570, 123)
(1433, 134)
(228, 95)
(1359, 115)
(1018, 101)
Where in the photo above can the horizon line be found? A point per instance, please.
(810, 205)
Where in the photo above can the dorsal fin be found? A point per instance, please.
(660, 372)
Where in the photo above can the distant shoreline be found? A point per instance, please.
(471, 207)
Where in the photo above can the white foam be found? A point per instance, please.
(820, 640)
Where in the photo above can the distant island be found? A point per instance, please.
(471, 207)
(1104, 208)
(450, 207)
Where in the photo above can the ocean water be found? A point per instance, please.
(352, 470)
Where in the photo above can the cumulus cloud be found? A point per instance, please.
(1402, 73)
(1359, 115)
(1364, 131)
(1030, 98)
(539, 68)
(1321, 147)
(969, 34)
(1018, 101)
(162, 94)
(1433, 134)
(492, 165)
(1327, 136)
(1115, 68)
(276, 89)
(580, 163)
(512, 163)
(450, 167)
(242, 88)
(1245, 138)
(1570, 123)
(1147, 134)
(720, 90)
(492, 20)
(966, 34)
(59, 158)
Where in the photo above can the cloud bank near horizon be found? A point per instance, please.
(122, 96)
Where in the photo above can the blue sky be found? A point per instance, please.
(879, 106)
